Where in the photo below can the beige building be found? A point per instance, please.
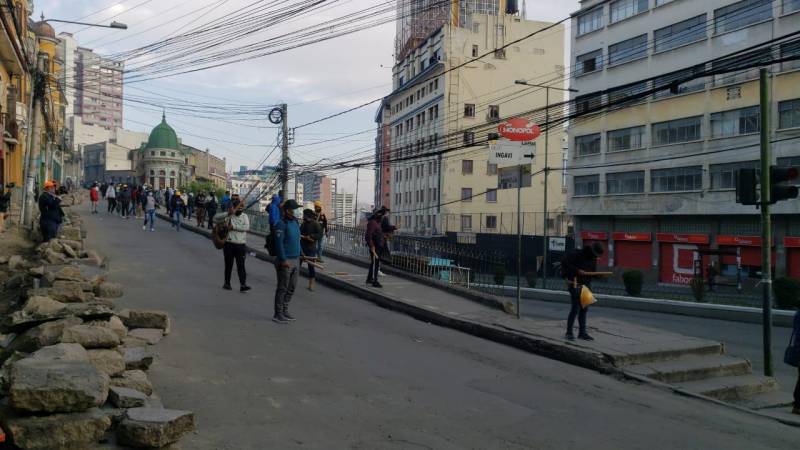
(654, 179)
(206, 167)
(443, 112)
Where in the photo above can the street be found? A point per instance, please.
(348, 374)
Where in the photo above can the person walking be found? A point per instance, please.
(5, 201)
(211, 209)
(190, 200)
(168, 201)
(50, 213)
(235, 247)
(374, 238)
(111, 197)
(94, 196)
(200, 209)
(310, 235)
(149, 211)
(103, 189)
(274, 210)
(125, 202)
(575, 267)
(177, 208)
(388, 234)
(287, 251)
(322, 219)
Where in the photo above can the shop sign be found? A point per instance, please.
(623, 236)
(682, 238)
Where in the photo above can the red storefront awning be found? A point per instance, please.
(639, 237)
(683, 238)
(594, 235)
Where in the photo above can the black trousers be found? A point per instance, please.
(125, 208)
(235, 252)
(797, 391)
(112, 204)
(374, 267)
(577, 310)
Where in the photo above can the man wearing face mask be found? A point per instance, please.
(235, 248)
(287, 248)
(50, 211)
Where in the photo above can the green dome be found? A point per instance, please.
(163, 136)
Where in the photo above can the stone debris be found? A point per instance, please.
(133, 342)
(43, 306)
(109, 361)
(114, 324)
(78, 431)
(133, 318)
(69, 273)
(108, 289)
(151, 335)
(50, 386)
(70, 233)
(62, 352)
(48, 333)
(154, 427)
(137, 358)
(72, 291)
(91, 336)
(126, 398)
(134, 379)
(17, 262)
(36, 271)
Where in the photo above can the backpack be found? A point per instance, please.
(219, 235)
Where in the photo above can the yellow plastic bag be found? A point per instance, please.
(587, 298)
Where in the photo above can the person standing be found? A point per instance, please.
(5, 201)
(235, 248)
(388, 233)
(211, 209)
(94, 196)
(575, 267)
(177, 210)
(50, 213)
(322, 219)
(190, 199)
(200, 209)
(310, 235)
(111, 197)
(125, 202)
(274, 210)
(374, 238)
(103, 189)
(149, 211)
(287, 251)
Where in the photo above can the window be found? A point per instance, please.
(500, 53)
(587, 145)
(163, 153)
(152, 172)
(466, 194)
(625, 139)
(618, 95)
(593, 20)
(469, 110)
(723, 175)
(681, 82)
(491, 195)
(466, 167)
(627, 50)
(466, 222)
(790, 49)
(678, 179)
(589, 62)
(474, 51)
(789, 161)
(681, 33)
(738, 76)
(587, 185)
(436, 84)
(741, 14)
(491, 222)
(588, 103)
(494, 112)
(469, 138)
(625, 182)
(791, 6)
(789, 114)
(735, 122)
(491, 169)
(675, 131)
(622, 9)
(152, 153)
(662, 2)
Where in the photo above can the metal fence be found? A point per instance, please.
(506, 223)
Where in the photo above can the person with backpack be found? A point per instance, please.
(168, 201)
(374, 238)
(200, 209)
(177, 208)
(50, 213)
(322, 219)
(125, 202)
(286, 241)
(575, 268)
(235, 247)
(190, 201)
(310, 234)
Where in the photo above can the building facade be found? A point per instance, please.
(344, 209)
(383, 168)
(317, 187)
(439, 176)
(653, 180)
(110, 163)
(97, 87)
(206, 167)
(162, 161)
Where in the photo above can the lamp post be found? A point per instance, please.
(114, 24)
(546, 165)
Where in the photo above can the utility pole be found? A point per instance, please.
(519, 238)
(355, 203)
(766, 222)
(34, 134)
(545, 245)
(285, 149)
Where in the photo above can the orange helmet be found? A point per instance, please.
(49, 184)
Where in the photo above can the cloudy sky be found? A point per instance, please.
(315, 80)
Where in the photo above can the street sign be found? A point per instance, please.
(557, 244)
(507, 177)
(520, 130)
(511, 153)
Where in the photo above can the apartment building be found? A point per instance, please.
(653, 180)
(317, 187)
(97, 86)
(344, 209)
(433, 165)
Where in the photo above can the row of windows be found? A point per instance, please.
(419, 221)
(494, 111)
(415, 148)
(723, 124)
(417, 121)
(721, 177)
(418, 171)
(467, 195)
(420, 196)
(420, 94)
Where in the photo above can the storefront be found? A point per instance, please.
(792, 245)
(633, 250)
(750, 251)
(590, 237)
(677, 254)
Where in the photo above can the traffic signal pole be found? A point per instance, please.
(766, 222)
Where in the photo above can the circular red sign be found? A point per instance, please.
(519, 130)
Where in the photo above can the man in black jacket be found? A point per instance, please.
(575, 267)
(50, 213)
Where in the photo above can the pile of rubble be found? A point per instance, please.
(73, 372)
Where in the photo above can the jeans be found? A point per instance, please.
(176, 219)
(577, 310)
(312, 271)
(150, 217)
(123, 211)
(797, 390)
(112, 204)
(374, 267)
(287, 281)
(211, 214)
(49, 229)
(235, 252)
(201, 216)
(320, 247)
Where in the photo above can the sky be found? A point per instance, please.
(315, 81)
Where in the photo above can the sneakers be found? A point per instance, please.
(244, 288)
(381, 273)
(569, 336)
(227, 287)
(280, 319)
(144, 227)
(152, 229)
(377, 285)
(585, 337)
(288, 317)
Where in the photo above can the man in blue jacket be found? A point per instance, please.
(274, 210)
(287, 251)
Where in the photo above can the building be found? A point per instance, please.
(259, 185)
(657, 182)
(344, 209)
(162, 161)
(317, 187)
(109, 162)
(445, 107)
(68, 52)
(383, 155)
(207, 168)
(97, 86)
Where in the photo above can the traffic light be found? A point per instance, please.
(746, 183)
(779, 188)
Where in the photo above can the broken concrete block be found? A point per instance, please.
(114, 324)
(62, 352)
(43, 306)
(70, 233)
(109, 361)
(151, 335)
(91, 336)
(43, 385)
(133, 379)
(71, 291)
(133, 318)
(132, 342)
(126, 397)
(48, 333)
(59, 431)
(109, 290)
(137, 358)
(17, 262)
(154, 427)
(36, 271)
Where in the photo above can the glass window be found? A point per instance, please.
(622, 9)
(627, 50)
(590, 21)
(588, 103)
(790, 49)
(723, 175)
(494, 111)
(789, 114)
(738, 76)
(469, 138)
(474, 51)
(662, 2)
(491, 169)
(587, 185)
(491, 222)
(625, 182)
(741, 14)
(466, 167)
(491, 195)
(791, 6)
(670, 88)
(466, 194)
(616, 97)
(677, 179)
(681, 33)
(469, 110)
(626, 139)
(680, 130)
(466, 222)
(587, 145)
(789, 161)
(589, 62)
(735, 122)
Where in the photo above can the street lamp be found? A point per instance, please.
(545, 244)
(114, 24)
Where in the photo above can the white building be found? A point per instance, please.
(344, 212)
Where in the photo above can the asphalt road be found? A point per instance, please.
(350, 375)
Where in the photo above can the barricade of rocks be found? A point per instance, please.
(72, 366)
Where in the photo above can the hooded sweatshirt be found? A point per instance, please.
(110, 192)
(274, 210)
